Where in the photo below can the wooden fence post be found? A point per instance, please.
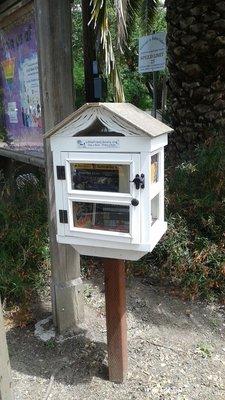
(115, 299)
(5, 372)
(53, 22)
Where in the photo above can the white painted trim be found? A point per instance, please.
(59, 197)
(157, 231)
(84, 158)
(126, 145)
(88, 196)
(88, 241)
(145, 204)
(99, 234)
(102, 197)
(155, 189)
(113, 253)
(158, 142)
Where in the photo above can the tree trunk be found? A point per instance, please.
(196, 63)
(53, 22)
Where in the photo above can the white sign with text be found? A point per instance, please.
(98, 143)
(152, 52)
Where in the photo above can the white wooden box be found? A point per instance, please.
(109, 180)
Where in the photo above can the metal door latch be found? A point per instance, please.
(139, 181)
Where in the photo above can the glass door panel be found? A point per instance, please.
(100, 177)
(105, 217)
(155, 168)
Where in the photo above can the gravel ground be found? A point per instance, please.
(176, 351)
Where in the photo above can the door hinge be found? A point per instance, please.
(61, 173)
(63, 216)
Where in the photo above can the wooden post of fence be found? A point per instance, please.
(53, 22)
(5, 372)
(115, 298)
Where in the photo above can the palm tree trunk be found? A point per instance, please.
(196, 63)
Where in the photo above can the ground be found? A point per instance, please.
(176, 351)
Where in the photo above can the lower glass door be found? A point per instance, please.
(104, 217)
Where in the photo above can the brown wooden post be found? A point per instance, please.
(115, 298)
(5, 372)
(53, 22)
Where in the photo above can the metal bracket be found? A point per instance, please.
(61, 173)
(63, 216)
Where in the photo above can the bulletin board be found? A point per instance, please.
(20, 105)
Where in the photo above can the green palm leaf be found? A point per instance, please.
(126, 12)
(148, 10)
(101, 26)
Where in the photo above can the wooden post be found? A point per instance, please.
(115, 298)
(53, 23)
(164, 95)
(5, 373)
(154, 94)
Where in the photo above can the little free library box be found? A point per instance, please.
(108, 163)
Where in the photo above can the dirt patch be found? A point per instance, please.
(176, 351)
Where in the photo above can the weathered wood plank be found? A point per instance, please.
(115, 298)
(6, 4)
(6, 392)
(53, 22)
(14, 11)
(36, 160)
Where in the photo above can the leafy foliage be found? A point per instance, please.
(126, 13)
(100, 17)
(192, 254)
(24, 252)
(135, 90)
(136, 86)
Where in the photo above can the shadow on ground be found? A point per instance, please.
(73, 361)
(154, 307)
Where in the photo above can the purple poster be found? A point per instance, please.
(20, 99)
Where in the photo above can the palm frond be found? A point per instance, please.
(101, 26)
(116, 82)
(148, 11)
(121, 7)
(127, 11)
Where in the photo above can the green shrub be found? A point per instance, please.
(24, 253)
(192, 253)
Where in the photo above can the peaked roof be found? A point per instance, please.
(125, 113)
